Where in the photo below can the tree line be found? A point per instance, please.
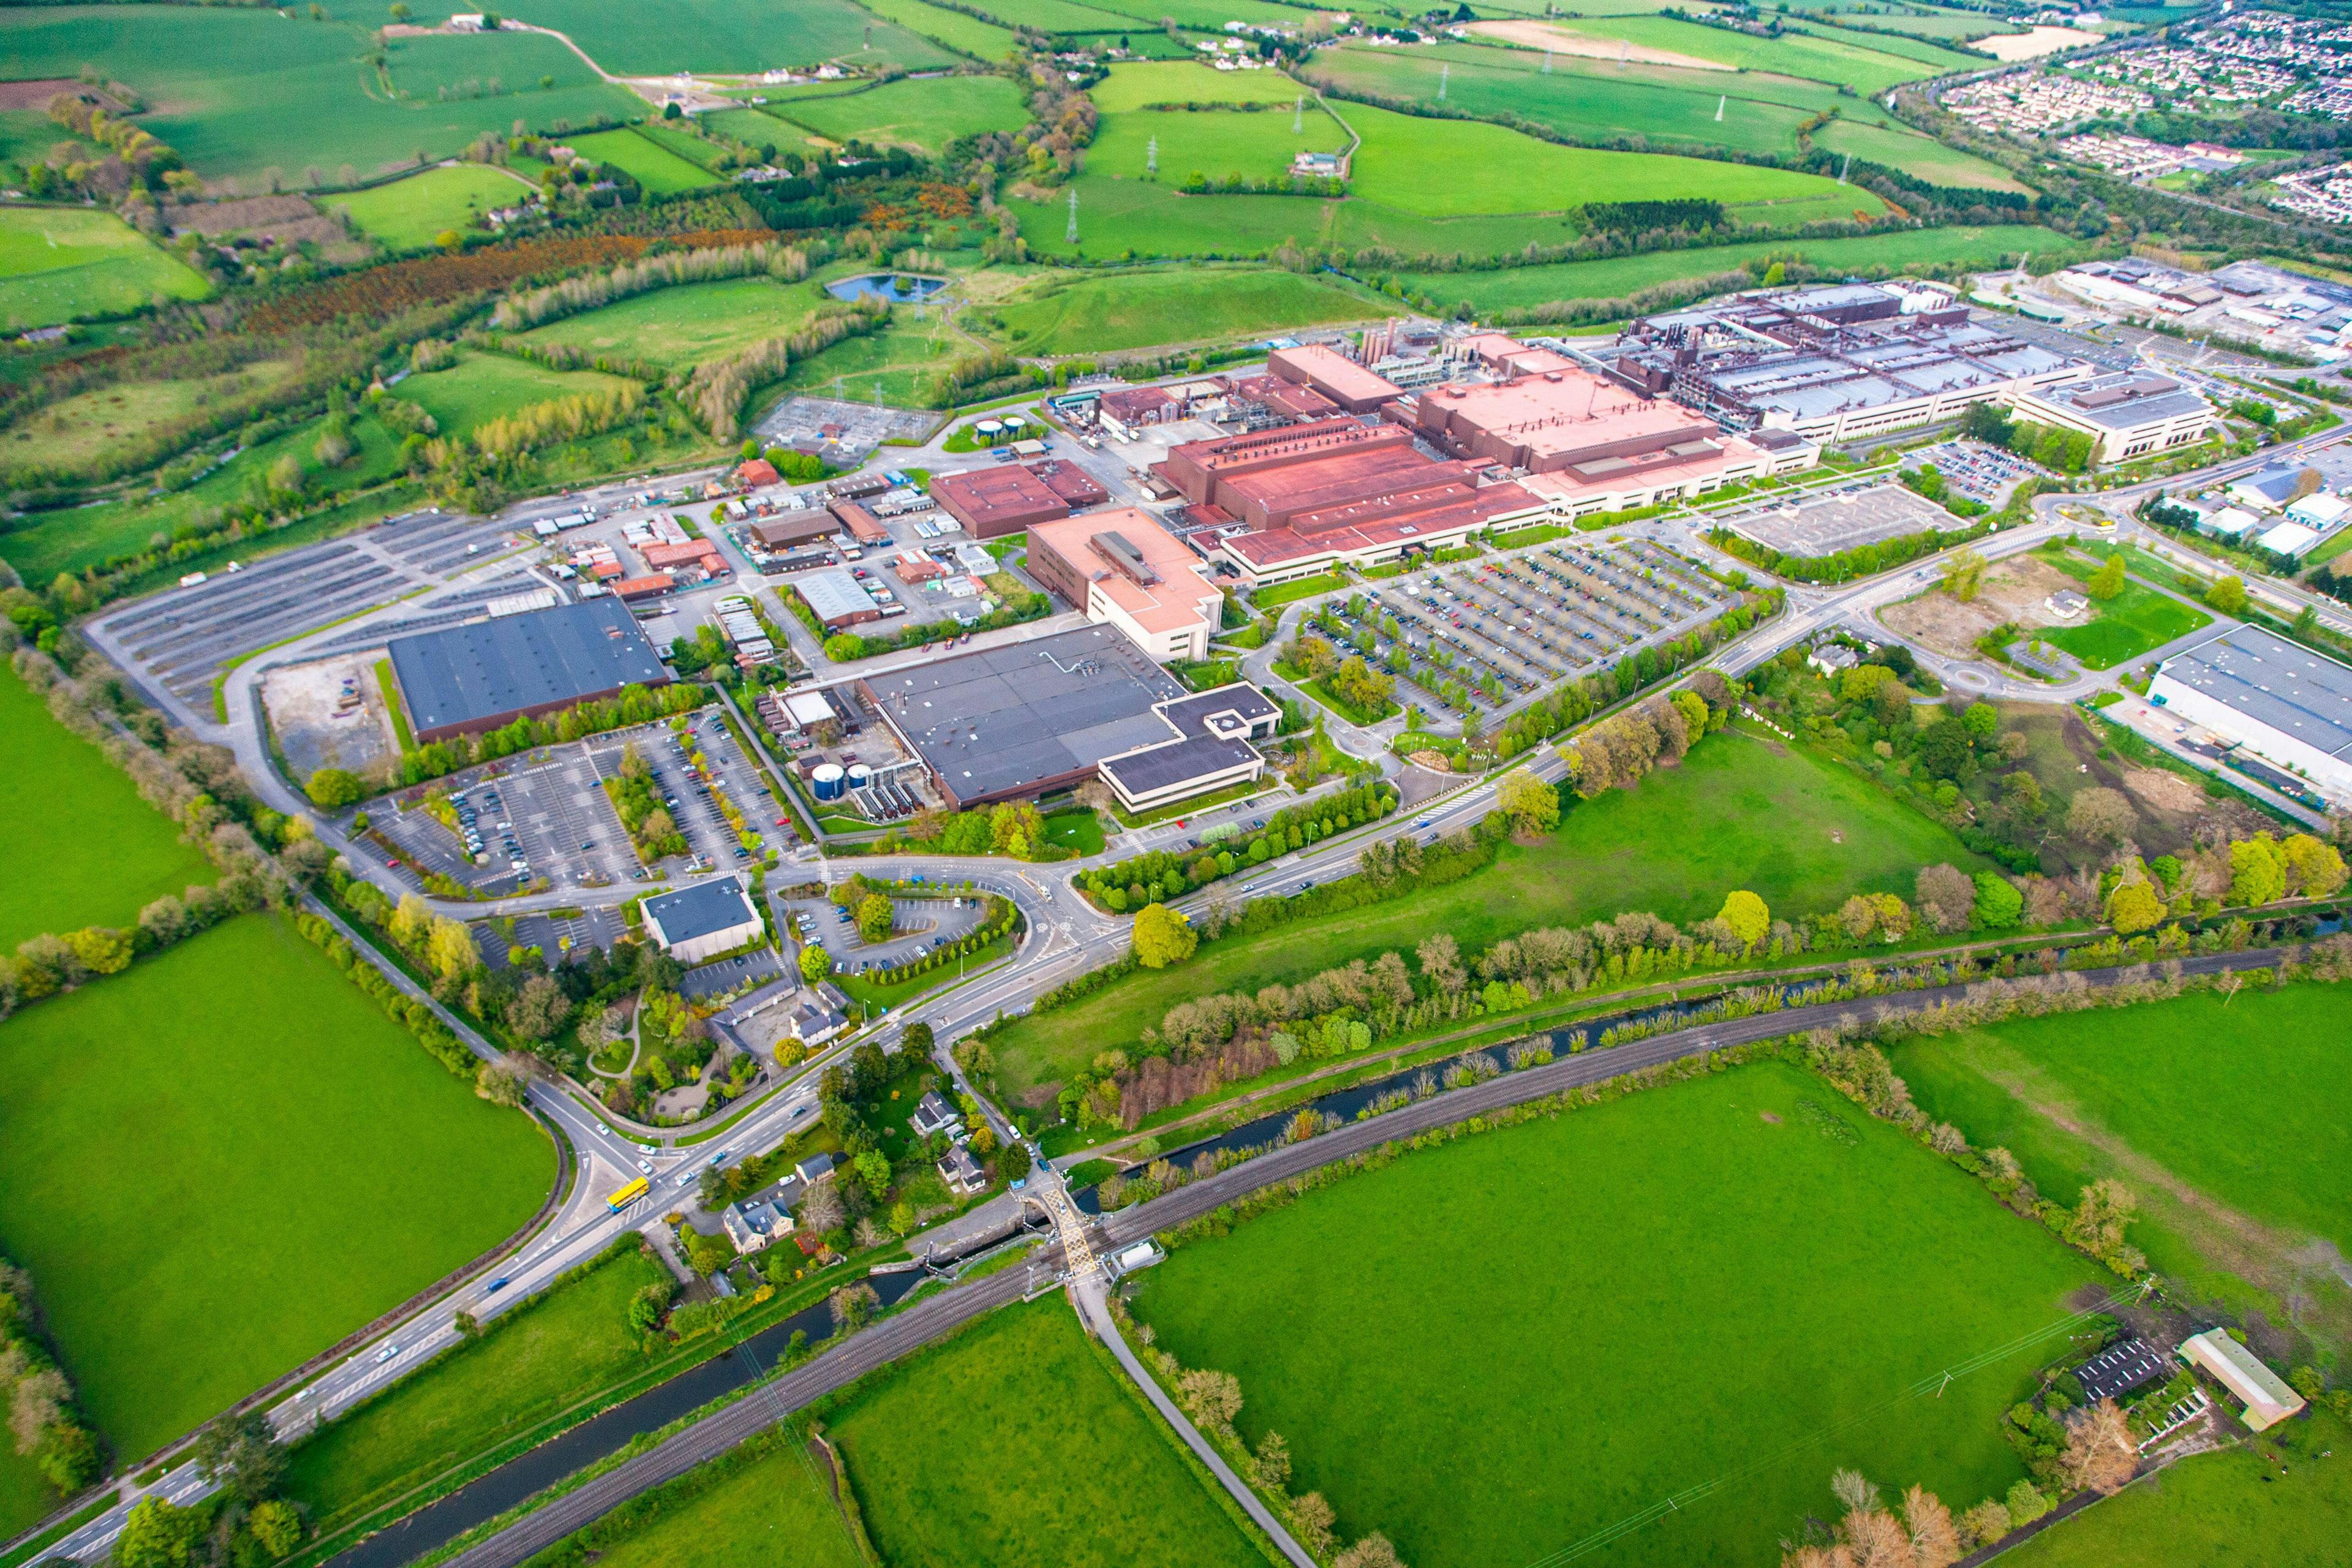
(1160, 875)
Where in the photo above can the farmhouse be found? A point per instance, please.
(1123, 568)
(704, 920)
(1288, 502)
(466, 680)
(1335, 376)
(2268, 1401)
(2126, 414)
(1017, 722)
(2276, 699)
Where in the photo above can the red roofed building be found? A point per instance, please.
(1070, 482)
(1122, 567)
(695, 552)
(1308, 496)
(1280, 399)
(859, 523)
(754, 472)
(994, 502)
(1335, 376)
(1129, 409)
(629, 590)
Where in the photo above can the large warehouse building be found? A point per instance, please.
(2287, 705)
(697, 923)
(1123, 568)
(2127, 415)
(1022, 719)
(1293, 501)
(995, 502)
(467, 679)
(1334, 375)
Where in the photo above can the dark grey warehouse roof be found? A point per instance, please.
(1242, 700)
(2272, 681)
(702, 910)
(1002, 718)
(461, 675)
(1179, 762)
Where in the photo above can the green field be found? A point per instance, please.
(242, 91)
(1137, 309)
(1620, 277)
(1099, 1481)
(481, 388)
(410, 214)
(78, 434)
(60, 801)
(45, 543)
(2283, 1500)
(539, 1361)
(222, 1161)
(762, 1506)
(926, 114)
(2123, 627)
(2230, 1118)
(1131, 86)
(950, 29)
(726, 35)
(890, 364)
(1866, 64)
(62, 264)
(1493, 1352)
(1211, 142)
(683, 326)
(661, 172)
(1802, 833)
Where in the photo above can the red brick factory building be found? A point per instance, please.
(995, 502)
(1335, 376)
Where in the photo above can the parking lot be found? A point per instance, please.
(1823, 522)
(1483, 635)
(1984, 474)
(554, 935)
(925, 923)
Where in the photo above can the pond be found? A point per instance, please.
(897, 288)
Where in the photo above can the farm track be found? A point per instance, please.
(942, 1314)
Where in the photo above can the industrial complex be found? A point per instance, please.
(2277, 700)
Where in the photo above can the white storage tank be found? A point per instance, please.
(860, 775)
(828, 781)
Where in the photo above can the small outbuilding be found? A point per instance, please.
(2268, 1400)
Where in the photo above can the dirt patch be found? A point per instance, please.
(317, 725)
(37, 92)
(1435, 762)
(2015, 590)
(2033, 43)
(1537, 35)
(2164, 792)
(1770, 1117)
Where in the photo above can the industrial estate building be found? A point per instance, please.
(1288, 502)
(2127, 415)
(467, 679)
(2276, 699)
(1334, 375)
(838, 599)
(1022, 719)
(696, 924)
(995, 502)
(1123, 568)
(1833, 364)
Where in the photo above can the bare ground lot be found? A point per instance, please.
(312, 732)
(2015, 590)
(1538, 36)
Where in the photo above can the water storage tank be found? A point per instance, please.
(828, 781)
(1016, 422)
(989, 429)
(860, 775)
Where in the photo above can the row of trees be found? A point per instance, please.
(1009, 827)
(42, 1416)
(1618, 752)
(1162, 874)
(632, 705)
(535, 308)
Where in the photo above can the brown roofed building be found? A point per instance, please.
(1129, 408)
(859, 523)
(1335, 376)
(1122, 567)
(994, 502)
(630, 590)
(701, 553)
(1280, 399)
(1070, 482)
(755, 472)
(793, 530)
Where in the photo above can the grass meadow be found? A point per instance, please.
(1133, 85)
(1869, 67)
(661, 172)
(948, 29)
(1618, 277)
(2282, 1500)
(61, 264)
(926, 114)
(242, 91)
(481, 387)
(81, 429)
(764, 1504)
(1738, 813)
(1138, 310)
(82, 848)
(2230, 1118)
(726, 36)
(2124, 627)
(411, 214)
(1214, 143)
(1495, 1351)
(50, 542)
(223, 1160)
(538, 1360)
(685, 325)
(1101, 1483)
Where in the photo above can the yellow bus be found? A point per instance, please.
(628, 1195)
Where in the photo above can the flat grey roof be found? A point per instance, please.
(702, 910)
(2120, 401)
(462, 675)
(1178, 762)
(1191, 714)
(1000, 719)
(834, 594)
(2272, 681)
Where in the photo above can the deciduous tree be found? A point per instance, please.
(2100, 1452)
(1162, 936)
(2101, 814)
(1532, 804)
(2108, 581)
(1750, 920)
